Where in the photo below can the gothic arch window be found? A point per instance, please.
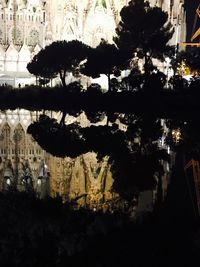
(103, 3)
(6, 131)
(33, 38)
(1, 136)
(1, 35)
(19, 135)
(16, 35)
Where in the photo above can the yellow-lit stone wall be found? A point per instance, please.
(82, 178)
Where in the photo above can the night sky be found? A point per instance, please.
(191, 6)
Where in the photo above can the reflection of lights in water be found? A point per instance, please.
(168, 149)
(26, 181)
(39, 182)
(176, 135)
(162, 141)
(167, 167)
(8, 182)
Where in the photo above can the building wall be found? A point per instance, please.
(21, 158)
(27, 26)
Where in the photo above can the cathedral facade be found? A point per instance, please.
(27, 26)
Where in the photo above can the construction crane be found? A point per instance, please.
(196, 33)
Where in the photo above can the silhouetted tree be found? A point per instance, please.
(133, 82)
(133, 165)
(58, 58)
(178, 83)
(176, 58)
(191, 57)
(155, 81)
(143, 31)
(189, 141)
(104, 59)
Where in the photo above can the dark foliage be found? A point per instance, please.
(103, 59)
(178, 83)
(50, 234)
(132, 166)
(166, 104)
(191, 57)
(60, 58)
(144, 31)
(189, 142)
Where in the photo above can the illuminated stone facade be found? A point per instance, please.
(24, 165)
(27, 26)
(21, 159)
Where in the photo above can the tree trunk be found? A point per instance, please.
(104, 180)
(159, 191)
(87, 179)
(62, 78)
(62, 121)
(109, 87)
(146, 67)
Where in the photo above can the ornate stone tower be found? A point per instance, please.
(21, 36)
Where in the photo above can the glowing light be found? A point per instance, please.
(8, 182)
(176, 135)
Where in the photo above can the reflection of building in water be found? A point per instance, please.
(27, 26)
(24, 165)
(20, 156)
(82, 178)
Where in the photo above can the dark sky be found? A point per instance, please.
(191, 6)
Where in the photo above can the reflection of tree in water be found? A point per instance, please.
(133, 164)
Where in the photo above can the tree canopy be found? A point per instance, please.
(133, 165)
(104, 59)
(191, 58)
(58, 58)
(143, 31)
